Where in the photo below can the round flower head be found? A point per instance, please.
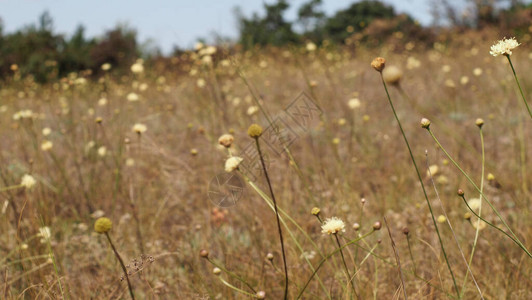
(139, 128)
(103, 225)
(392, 75)
(378, 64)
(425, 123)
(226, 140)
(28, 181)
(315, 211)
(504, 47)
(333, 226)
(479, 122)
(232, 163)
(255, 131)
(354, 103)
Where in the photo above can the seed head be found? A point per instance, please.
(406, 231)
(315, 211)
(460, 192)
(425, 123)
(269, 256)
(378, 64)
(103, 225)
(479, 122)
(216, 271)
(377, 225)
(28, 181)
(261, 295)
(226, 140)
(255, 131)
(204, 253)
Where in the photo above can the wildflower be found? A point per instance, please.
(425, 123)
(102, 102)
(46, 145)
(441, 219)
(106, 67)
(433, 170)
(102, 151)
(504, 47)
(252, 110)
(479, 122)
(139, 128)
(356, 226)
(45, 233)
(333, 226)
(232, 163)
(261, 295)
(201, 82)
(315, 211)
(308, 255)
(46, 131)
(28, 181)
(342, 121)
(204, 253)
(354, 103)
(132, 97)
(464, 80)
(97, 214)
(103, 225)
(392, 75)
(194, 151)
(477, 72)
(255, 131)
(378, 64)
(490, 177)
(226, 140)
(269, 256)
(137, 67)
(336, 141)
(311, 46)
(216, 271)
(377, 225)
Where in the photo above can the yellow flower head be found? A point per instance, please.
(103, 225)
(255, 131)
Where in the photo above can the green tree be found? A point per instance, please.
(358, 16)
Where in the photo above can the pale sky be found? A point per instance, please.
(166, 22)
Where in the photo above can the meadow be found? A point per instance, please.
(141, 149)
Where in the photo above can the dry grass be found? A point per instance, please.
(160, 208)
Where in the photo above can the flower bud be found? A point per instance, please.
(255, 131)
(378, 64)
(425, 123)
(377, 225)
(479, 122)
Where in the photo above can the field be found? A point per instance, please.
(141, 149)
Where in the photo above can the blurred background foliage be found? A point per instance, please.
(38, 51)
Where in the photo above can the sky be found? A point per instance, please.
(165, 22)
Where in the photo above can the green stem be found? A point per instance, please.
(231, 274)
(422, 187)
(277, 217)
(519, 85)
(329, 256)
(349, 278)
(514, 238)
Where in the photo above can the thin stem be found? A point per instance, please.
(231, 274)
(519, 85)
(411, 255)
(235, 288)
(515, 238)
(482, 165)
(329, 256)
(121, 264)
(345, 266)
(422, 186)
(277, 217)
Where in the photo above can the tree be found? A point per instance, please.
(355, 18)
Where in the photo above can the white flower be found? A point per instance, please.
(46, 131)
(46, 145)
(333, 226)
(102, 151)
(132, 97)
(252, 110)
(137, 68)
(232, 163)
(139, 128)
(28, 181)
(106, 67)
(504, 47)
(45, 232)
(311, 46)
(354, 103)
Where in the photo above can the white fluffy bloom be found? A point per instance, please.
(232, 163)
(45, 232)
(354, 103)
(132, 97)
(28, 181)
(137, 68)
(333, 226)
(139, 128)
(46, 145)
(46, 131)
(504, 47)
